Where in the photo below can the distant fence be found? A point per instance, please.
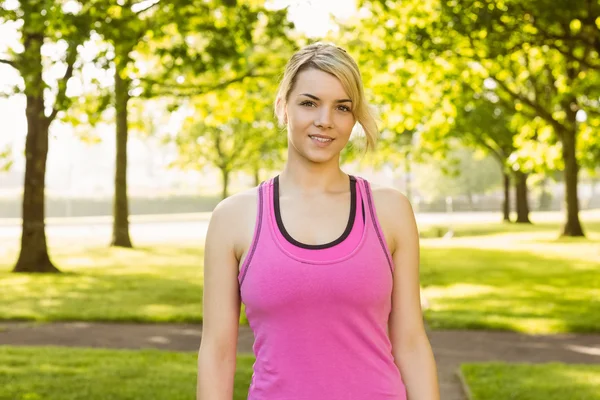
(81, 207)
(494, 203)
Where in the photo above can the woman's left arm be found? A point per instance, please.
(410, 344)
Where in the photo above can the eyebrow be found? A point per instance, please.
(316, 98)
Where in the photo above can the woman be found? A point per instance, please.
(326, 266)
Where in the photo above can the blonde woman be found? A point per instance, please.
(327, 267)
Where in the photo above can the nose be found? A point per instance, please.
(323, 119)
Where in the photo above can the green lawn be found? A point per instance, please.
(497, 381)
(55, 373)
(156, 283)
(520, 278)
(490, 276)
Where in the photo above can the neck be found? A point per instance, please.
(303, 176)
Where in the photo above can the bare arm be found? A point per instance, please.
(410, 345)
(221, 310)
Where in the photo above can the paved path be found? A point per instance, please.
(451, 348)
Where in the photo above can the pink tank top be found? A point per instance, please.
(319, 313)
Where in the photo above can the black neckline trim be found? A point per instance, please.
(293, 241)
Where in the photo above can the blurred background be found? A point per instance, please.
(124, 123)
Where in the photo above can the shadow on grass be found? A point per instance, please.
(517, 290)
(103, 284)
(552, 381)
(520, 289)
(98, 374)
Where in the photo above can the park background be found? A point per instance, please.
(125, 122)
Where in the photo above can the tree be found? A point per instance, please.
(232, 130)
(41, 23)
(226, 147)
(544, 58)
(193, 41)
(542, 55)
(423, 104)
(483, 123)
(411, 96)
(462, 172)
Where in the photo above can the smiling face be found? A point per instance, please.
(319, 117)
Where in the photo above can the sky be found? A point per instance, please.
(313, 16)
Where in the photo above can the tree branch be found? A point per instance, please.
(591, 112)
(551, 87)
(572, 56)
(142, 10)
(532, 82)
(8, 62)
(62, 84)
(495, 152)
(545, 33)
(540, 111)
(186, 91)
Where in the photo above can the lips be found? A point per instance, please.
(321, 141)
(321, 138)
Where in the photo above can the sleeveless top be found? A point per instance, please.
(319, 313)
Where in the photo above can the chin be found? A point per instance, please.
(319, 157)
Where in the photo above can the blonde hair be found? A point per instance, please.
(337, 62)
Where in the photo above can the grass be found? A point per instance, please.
(507, 277)
(161, 283)
(58, 373)
(54, 373)
(489, 276)
(498, 381)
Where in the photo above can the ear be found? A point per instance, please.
(282, 107)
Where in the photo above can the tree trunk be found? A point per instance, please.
(120, 206)
(225, 173)
(506, 201)
(34, 251)
(545, 196)
(256, 176)
(470, 201)
(573, 225)
(522, 198)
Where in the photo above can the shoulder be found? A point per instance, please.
(235, 207)
(233, 220)
(390, 201)
(395, 214)
(233, 211)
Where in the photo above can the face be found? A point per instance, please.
(319, 117)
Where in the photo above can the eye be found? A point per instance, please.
(308, 103)
(344, 108)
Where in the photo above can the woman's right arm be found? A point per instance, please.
(221, 309)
